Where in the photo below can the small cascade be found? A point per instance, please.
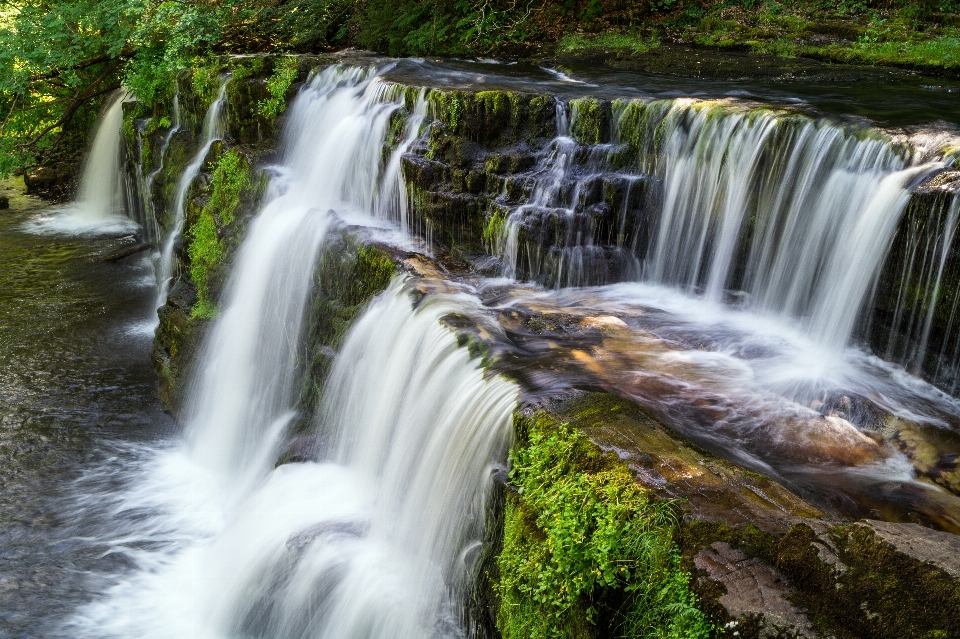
(913, 293)
(150, 208)
(214, 126)
(559, 221)
(101, 186)
(100, 206)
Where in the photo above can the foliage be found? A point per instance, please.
(231, 179)
(56, 57)
(581, 538)
(284, 73)
(611, 41)
(205, 250)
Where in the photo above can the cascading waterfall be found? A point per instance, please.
(214, 126)
(923, 257)
(806, 210)
(412, 433)
(792, 214)
(100, 204)
(150, 208)
(555, 211)
(377, 536)
(101, 185)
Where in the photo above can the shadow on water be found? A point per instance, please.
(76, 390)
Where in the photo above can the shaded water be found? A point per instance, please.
(77, 392)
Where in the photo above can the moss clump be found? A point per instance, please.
(586, 551)
(231, 179)
(493, 231)
(348, 275)
(204, 251)
(205, 77)
(590, 120)
(285, 71)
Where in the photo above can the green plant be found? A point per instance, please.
(231, 178)
(205, 251)
(284, 73)
(584, 545)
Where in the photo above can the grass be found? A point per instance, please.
(846, 32)
(610, 42)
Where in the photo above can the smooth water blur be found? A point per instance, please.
(99, 207)
(214, 126)
(78, 399)
(369, 539)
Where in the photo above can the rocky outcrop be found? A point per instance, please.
(764, 562)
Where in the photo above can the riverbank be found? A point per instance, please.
(780, 38)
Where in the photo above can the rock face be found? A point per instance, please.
(764, 562)
(753, 590)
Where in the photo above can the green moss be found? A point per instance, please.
(493, 231)
(231, 179)
(204, 309)
(348, 275)
(609, 42)
(205, 250)
(587, 552)
(205, 77)
(247, 67)
(285, 71)
(590, 120)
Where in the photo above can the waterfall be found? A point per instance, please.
(377, 536)
(922, 257)
(558, 211)
(150, 209)
(387, 526)
(100, 206)
(790, 214)
(214, 126)
(101, 185)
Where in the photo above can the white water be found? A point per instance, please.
(374, 539)
(150, 209)
(793, 216)
(99, 208)
(214, 126)
(823, 205)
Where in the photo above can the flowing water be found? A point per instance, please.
(745, 244)
(214, 125)
(100, 207)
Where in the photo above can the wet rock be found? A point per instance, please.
(305, 448)
(753, 589)
(4, 202)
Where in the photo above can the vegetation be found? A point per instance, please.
(284, 73)
(586, 550)
(61, 58)
(205, 248)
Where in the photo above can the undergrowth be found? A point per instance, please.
(284, 73)
(586, 550)
(230, 180)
